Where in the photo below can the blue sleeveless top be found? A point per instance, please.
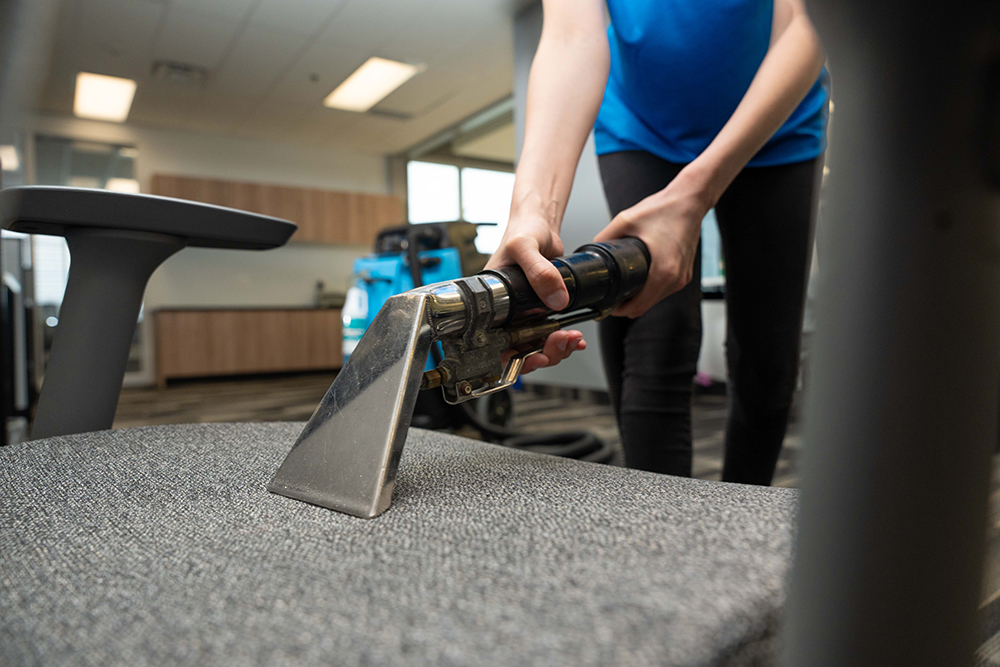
(679, 68)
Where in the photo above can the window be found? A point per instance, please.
(51, 262)
(443, 192)
(713, 274)
(81, 164)
(432, 192)
(486, 197)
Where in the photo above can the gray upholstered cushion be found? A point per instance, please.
(161, 545)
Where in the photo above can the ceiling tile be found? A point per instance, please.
(100, 60)
(195, 38)
(261, 63)
(420, 93)
(322, 125)
(487, 50)
(272, 120)
(491, 87)
(369, 134)
(58, 95)
(163, 103)
(328, 62)
(120, 25)
(304, 16)
(256, 61)
(215, 112)
(367, 24)
(232, 10)
(440, 29)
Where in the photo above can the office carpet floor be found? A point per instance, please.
(537, 409)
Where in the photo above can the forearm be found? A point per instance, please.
(565, 89)
(788, 71)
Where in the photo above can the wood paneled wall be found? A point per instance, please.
(323, 216)
(204, 343)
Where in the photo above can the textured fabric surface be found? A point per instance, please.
(160, 545)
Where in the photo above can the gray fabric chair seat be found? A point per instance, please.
(161, 545)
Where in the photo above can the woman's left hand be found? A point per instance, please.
(669, 223)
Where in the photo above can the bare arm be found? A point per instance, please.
(793, 61)
(565, 89)
(670, 220)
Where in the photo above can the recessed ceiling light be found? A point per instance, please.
(122, 185)
(369, 84)
(103, 97)
(8, 156)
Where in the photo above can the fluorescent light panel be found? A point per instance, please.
(8, 156)
(370, 84)
(103, 97)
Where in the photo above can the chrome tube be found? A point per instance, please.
(448, 311)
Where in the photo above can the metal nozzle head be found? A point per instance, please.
(346, 457)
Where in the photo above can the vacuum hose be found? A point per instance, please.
(597, 276)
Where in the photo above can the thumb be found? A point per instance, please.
(616, 229)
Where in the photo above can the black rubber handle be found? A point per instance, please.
(597, 275)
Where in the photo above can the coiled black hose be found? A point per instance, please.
(582, 445)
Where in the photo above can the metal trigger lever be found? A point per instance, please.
(460, 382)
(465, 391)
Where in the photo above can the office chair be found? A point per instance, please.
(116, 241)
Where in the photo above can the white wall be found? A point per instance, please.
(201, 277)
(280, 277)
(233, 158)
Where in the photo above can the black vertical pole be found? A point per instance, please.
(6, 353)
(108, 272)
(902, 413)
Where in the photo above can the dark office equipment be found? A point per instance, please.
(902, 411)
(116, 241)
(17, 392)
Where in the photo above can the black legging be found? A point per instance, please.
(765, 221)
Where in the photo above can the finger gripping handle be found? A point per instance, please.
(597, 275)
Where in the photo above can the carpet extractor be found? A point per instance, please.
(346, 457)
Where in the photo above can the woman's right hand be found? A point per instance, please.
(529, 242)
(565, 89)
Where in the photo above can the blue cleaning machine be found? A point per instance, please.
(383, 275)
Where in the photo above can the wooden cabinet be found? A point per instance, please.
(323, 216)
(203, 343)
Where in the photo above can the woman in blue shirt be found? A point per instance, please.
(695, 104)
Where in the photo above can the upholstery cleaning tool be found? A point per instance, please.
(346, 457)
